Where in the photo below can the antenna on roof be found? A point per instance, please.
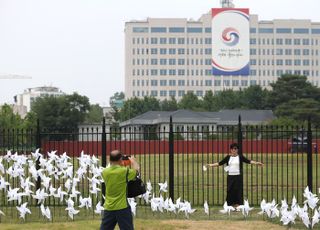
(227, 3)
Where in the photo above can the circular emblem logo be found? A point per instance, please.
(230, 36)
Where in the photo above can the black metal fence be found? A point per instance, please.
(177, 153)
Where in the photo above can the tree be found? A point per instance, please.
(291, 87)
(190, 101)
(8, 119)
(208, 102)
(169, 105)
(228, 99)
(300, 110)
(115, 114)
(136, 106)
(63, 112)
(95, 114)
(254, 97)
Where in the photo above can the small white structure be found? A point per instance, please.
(29, 95)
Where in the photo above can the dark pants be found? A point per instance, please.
(123, 217)
(234, 190)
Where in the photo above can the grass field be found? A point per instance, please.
(282, 176)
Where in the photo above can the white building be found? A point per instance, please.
(29, 95)
(170, 56)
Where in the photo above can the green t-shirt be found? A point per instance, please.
(116, 186)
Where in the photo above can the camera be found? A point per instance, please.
(125, 160)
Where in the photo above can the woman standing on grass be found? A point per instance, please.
(234, 180)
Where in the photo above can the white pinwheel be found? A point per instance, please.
(40, 195)
(163, 187)
(99, 208)
(45, 212)
(227, 209)
(23, 210)
(206, 208)
(245, 208)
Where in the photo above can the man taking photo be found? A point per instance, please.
(116, 207)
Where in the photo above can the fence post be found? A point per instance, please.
(38, 146)
(171, 160)
(239, 135)
(309, 153)
(103, 152)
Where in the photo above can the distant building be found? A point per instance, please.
(167, 57)
(29, 95)
(184, 120)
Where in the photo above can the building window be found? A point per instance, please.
(181, 93)
(181, 72)
(172, 72)
(297, 52)
(315, 31)
(163, 93)
(172, 61)
(154, 72)
(300, 31)
(279, 62)
(163, 51)
(244, 83)
(217, 82)
(253, 62)
(306, 42)
(253, 72)
(208, 72)
(158, 29)
(306, 52)
(154, 61)
(154, 83)
(235, 82)
(172, 40)
(140, 30)
(288, 62)
(181, 51)
(306, 62)
(297, 62)
(297, 41)
(208, 41)
(253, 41)
(154, 51)
(181, 41)
(283, 30)
(207, 30)
(176, 29)
(163, 72)
(279, 52)
(181, 61)
(163, 82)
(172, 93)
(253, 52)
(163, 61)
(266, 30)
(154, 40)
(172, 51)
(181, 82)
(288, 52)
(194, 30)
(199, 93)
(253, 30)
(172, 82)
(163, 40)
(154, 93)
(288, 41)
(208, 51)
(279, 41)
(208, 83)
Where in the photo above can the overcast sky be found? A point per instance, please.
(78, 45)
